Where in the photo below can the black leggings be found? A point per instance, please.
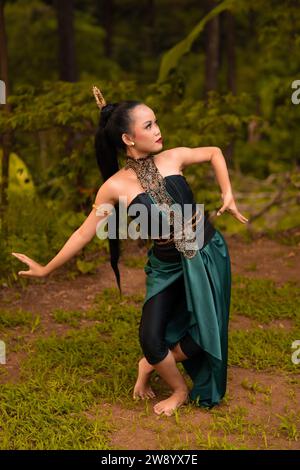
(156, 313)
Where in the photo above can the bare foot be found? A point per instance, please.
(178, 398)
(142, 388)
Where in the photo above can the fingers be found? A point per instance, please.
(243, 219)
(239, 216)
(220, 211)
(236, 214)
(24, 273)
(23, 258)
(20, 256)
(35, 270)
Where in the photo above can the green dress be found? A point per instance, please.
(207, 279)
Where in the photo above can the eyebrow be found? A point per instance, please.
(148, 121)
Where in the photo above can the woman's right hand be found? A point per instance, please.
(229, 205)
(35, 269)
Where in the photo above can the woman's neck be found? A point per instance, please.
(144, 157)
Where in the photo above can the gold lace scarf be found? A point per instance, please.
(154, 183)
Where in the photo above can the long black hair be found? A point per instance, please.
(114, 120)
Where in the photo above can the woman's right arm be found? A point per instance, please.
(107, 194)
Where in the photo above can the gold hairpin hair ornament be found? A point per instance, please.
(98, 97)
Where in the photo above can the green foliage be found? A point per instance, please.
(39, 47)
(86, 266)
(54, 122)
(39, 228)
(171, 58)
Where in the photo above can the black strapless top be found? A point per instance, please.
(178, 187)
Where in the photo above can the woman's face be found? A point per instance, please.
(145, 131)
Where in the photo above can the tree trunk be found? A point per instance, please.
(6, 138)
(108, 24)
(229, 29)
(66, 52)
(229, 22)
(149, 27)
(212, 40)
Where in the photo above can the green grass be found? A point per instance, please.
(263, 349)
(37, 415)
(262, 300)
(66, 377)
(135, 261)
(289, 426)
(17, 317)
(69, 318)
(234, 422)
(211, 442)
(255, 387)
(62, 377)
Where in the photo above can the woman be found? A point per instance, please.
(186, 308)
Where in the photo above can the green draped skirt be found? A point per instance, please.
(207, 280)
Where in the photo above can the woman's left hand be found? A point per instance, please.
(229, 205)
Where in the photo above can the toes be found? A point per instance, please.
(158, 410)
(139, 396)
(147, 394)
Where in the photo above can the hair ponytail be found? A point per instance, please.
(107, 160)
(114, 121)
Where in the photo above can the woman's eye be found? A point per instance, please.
(148, 125)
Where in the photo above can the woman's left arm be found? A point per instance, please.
(188, 156)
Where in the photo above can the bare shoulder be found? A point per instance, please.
(185, 156)
(108, 191)
(169, 161)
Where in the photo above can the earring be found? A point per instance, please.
(132, 143)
